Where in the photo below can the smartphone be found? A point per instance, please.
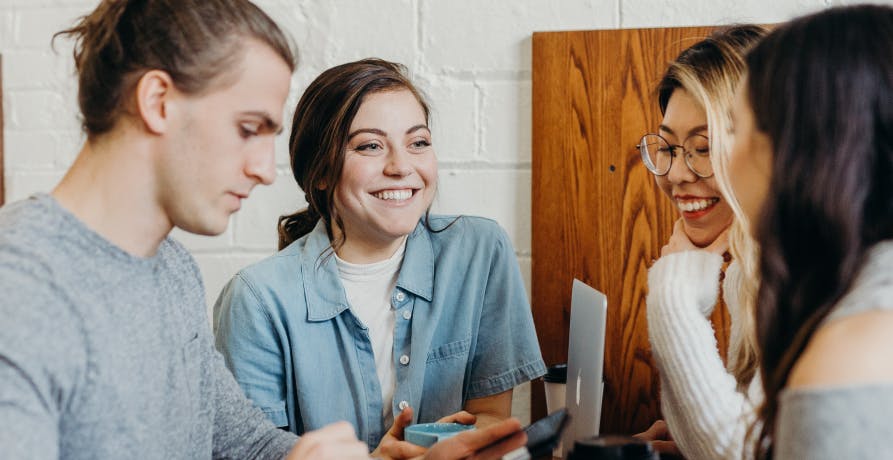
(542, 436)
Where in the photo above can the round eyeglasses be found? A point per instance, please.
(658, 154)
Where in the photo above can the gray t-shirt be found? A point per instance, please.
(848, 422)
(107, 355)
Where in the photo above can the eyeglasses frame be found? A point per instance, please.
(685, 158)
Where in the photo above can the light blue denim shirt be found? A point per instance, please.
(464, 330)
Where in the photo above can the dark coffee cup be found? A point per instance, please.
(612, 447)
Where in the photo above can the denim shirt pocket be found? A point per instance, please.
(444, 388)
(451, 350)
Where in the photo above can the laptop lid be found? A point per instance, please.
(586, 350)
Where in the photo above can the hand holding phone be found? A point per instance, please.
(542, 436)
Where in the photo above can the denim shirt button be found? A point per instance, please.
(403, 405)
(400, 296)
(407, 314)
(404, 360)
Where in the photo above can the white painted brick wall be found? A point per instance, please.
(474, 37)
(472, 57)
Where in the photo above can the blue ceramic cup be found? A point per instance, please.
(426, 434)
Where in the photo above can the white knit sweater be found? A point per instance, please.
(707, 416)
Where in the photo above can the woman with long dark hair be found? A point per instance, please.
(813, 169)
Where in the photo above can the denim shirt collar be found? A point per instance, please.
(323, 290)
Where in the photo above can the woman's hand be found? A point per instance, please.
(661, 439)
(679, 242)
(489, 443)
(337, 441)
(392, 445)
(463, 417)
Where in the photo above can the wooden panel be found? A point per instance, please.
(597, 214)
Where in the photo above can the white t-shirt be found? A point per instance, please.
(369, 288)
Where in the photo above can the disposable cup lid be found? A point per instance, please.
(556, 374)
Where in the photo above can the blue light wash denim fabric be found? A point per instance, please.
(463, 321)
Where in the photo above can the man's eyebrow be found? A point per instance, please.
(366, 130)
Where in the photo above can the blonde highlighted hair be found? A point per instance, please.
(710, 71)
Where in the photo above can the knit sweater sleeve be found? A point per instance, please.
(706, 414)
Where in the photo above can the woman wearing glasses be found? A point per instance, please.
(707, 404)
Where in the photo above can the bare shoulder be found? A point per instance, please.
(851, 350)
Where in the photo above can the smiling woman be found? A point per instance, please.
(389, 176)
(689, 181)
(375, 311)
(688, 158)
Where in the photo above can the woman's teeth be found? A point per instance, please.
(397, 195)
(697, 205)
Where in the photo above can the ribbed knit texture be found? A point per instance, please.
(706, 414)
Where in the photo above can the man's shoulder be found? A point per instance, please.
(27, 230)
(25, 220)
(33, 302)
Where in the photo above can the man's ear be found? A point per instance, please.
(153, 92)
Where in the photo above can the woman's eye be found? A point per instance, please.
(370, 147)
(420, 144)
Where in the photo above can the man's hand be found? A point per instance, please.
(489, 443)
(337, 441)
(660, 437)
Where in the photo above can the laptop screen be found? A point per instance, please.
(586, 351)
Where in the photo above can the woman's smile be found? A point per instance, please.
(693, 207)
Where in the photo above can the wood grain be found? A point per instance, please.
(597, 214)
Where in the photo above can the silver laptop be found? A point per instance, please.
(586, 356)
